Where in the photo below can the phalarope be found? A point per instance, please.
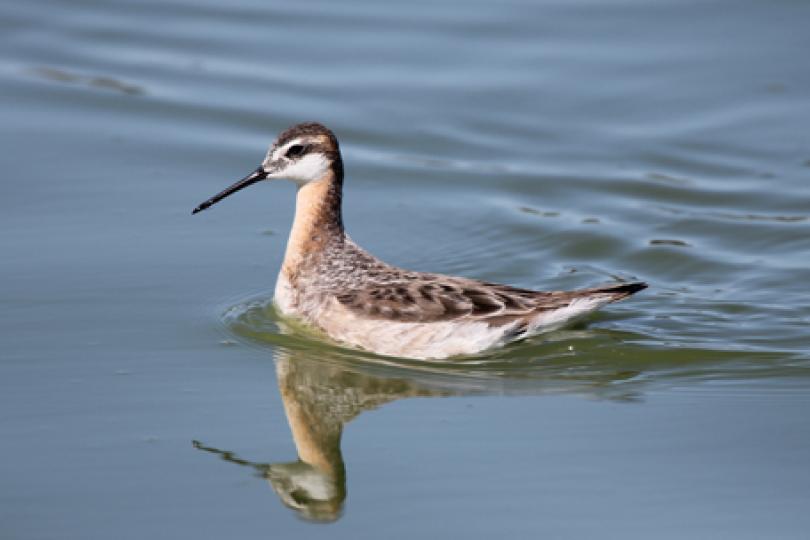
(333, 284)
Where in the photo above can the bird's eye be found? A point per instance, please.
(295, 151)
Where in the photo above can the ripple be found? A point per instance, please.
(731, 216)
(758, 217)
(103, 81)
(661, 177)
(535, 212)
(668, 242)
(592, 357)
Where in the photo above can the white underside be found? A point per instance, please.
(283, 296)
(433, 340)
(437, 340)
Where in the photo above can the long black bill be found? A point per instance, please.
(252, 178)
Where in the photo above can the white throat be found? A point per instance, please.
(307, 169)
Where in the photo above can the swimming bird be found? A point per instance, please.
(333, 284)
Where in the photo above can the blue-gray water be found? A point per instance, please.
(146, 390)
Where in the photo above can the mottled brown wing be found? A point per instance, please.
(432, 300)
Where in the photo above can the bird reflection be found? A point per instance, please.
(319, 399)
(324, 387)
(322, 391)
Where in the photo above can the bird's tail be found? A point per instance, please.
(616, 292)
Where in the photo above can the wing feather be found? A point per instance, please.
(433, 298)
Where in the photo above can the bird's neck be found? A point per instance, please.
(318, 221)
(317, 441)
(315, 428)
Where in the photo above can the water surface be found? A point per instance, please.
(544, 144)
